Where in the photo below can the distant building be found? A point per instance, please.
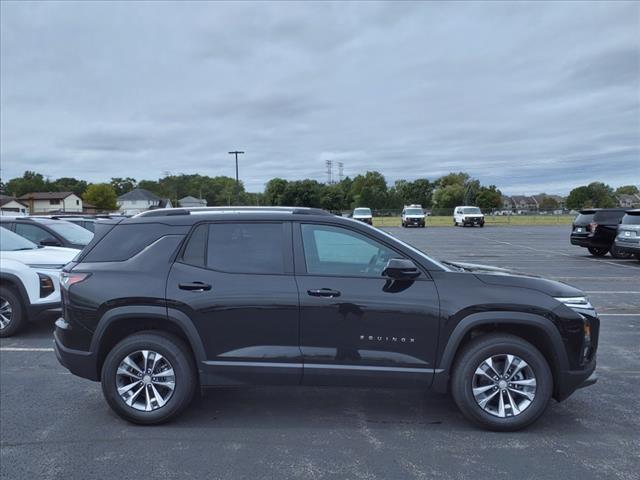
(11, 206)
(629, 201)
(139, 200)
(189, 202)
(49, 202)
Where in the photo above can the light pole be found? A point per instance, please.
(236, 153)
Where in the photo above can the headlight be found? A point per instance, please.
(581, 303)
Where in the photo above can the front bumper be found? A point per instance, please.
(78, 362)
(627, 246)
(416, 222)
(473, 221)
(368, 221)
(569, 381)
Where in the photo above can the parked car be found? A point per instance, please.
(48, 232)
(413, 215)
(29, 281)
(83, 221)
(628, 238)
(363, 215)
(167, 302)
(466, 215)
(596, 230)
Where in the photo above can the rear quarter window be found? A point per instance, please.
(124, 241)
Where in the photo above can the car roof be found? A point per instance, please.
(633, 211)
(43, 220)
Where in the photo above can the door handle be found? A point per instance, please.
(323, 292)
(195, 286)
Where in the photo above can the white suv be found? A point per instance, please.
(413, 215)
(465, 215)
(29, 280)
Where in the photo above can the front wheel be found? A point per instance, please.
(12, 317)
(598, 251)
(149, 378)
(501, 382)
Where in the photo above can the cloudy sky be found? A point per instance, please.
(531, 97)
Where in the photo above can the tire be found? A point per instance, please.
(13, 317)
(615, 253)
(175, 355)
(598, 251)
(455, 224)
(471, 359)
(482, 225)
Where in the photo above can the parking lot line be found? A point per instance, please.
(25, 349)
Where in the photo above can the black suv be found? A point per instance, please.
(171, 300)
(596, 229)
(49, 232)
(628, 239)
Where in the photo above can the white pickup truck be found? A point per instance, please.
(29, 280)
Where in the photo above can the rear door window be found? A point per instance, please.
(246, 247)
(125, 241)
(32, 232)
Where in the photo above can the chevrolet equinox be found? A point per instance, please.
(173, 300)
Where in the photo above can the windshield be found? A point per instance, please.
(413, 211)
(471, 210)
(631, 219)
(362, 211)
(71, 232)
(10, 242)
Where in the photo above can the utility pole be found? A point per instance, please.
(236, 153)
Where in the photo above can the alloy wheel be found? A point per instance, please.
(6, 313)
(145, 380)
(504, 385)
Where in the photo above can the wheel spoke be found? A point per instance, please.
(124, 371)
(528, 395)
(126, 388)
(501, 405)
(137, 373)
(485, 400)
(165, 373)
(514, 408)
(508, 363)
(480, 371)
(145, 360)
(528, 382)
(133, 397)
(128, 361)
(521, 364)
(479, 390)
(156, 358)
(148, 407)
(169, 385)
(159, 398)
(489, 363)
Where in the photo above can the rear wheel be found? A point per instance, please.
(501, 382)
(616, 253)
(12, 317)
(149, 378)
(598, 251)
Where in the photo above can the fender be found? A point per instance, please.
(441, 380)
(176, 317)
(15, 280)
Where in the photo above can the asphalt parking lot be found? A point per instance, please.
(54, 425)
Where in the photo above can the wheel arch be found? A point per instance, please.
(13, 281)
(118, 323)
(537, 330)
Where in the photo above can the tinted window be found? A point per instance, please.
(339, 251)
(608, 217)
(32, 232)
(584, 218)
(125, 241)
(631, 219)
(246, 247)
(71, 232)
(195, 250)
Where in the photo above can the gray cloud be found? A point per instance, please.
(529, 96)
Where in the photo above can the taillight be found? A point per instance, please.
(593, 226)
(69, 278)
(46, 285)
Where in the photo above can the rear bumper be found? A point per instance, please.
(49, 309)
(78, 362)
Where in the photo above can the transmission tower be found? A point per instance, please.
(329, 165)
(340, 170)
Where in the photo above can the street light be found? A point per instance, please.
(236, 153)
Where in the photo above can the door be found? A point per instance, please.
(356, 326)
(36, 233)
(235, 281)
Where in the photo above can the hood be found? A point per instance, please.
(362, 215)
(510, 278)
(54, 256)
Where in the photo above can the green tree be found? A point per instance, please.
(489, 198)
(549, 203)
(627, 190)
(123, 185)
(332, 197)
(303, 193)
(102, 195)
(369, 190)
(579, 198)
(594, 195)
(69, 184)
(274, 191)
(29, 182)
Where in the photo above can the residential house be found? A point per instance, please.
(52, 202)
(139, 200)
(12, 207)
(524, 203)
(629, 201)
(189, 202)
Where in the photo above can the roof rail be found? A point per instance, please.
(168, 212)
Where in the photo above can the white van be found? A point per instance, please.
(466, 215)
(413, 215)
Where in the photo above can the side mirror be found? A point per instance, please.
(401, 269)
(49, 242)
